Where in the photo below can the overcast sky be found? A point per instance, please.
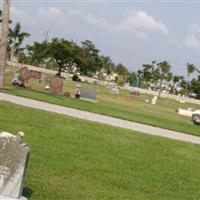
(130, 32)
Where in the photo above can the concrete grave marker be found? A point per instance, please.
(154, 100)
(115, 90)
(13, 161)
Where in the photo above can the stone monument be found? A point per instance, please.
(26, 74)
(154, 100)
(88, 94)
(13, 161)
(56, 86)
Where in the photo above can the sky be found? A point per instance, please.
(130, 32)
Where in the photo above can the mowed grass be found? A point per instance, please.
(162, 115)
(76, 159)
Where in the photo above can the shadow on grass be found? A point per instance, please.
(27, 192)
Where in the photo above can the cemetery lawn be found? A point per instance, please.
(162, 115)
(76, 159)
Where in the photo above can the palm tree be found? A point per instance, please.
(122, 72)
(190, 69)
(176, 79)
(164, 68)
(16, 39)
(197, 70)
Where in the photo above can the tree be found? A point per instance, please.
(148, 74)
(132, 77)
(4, 40)
(122, 72)
(16, 38)
(90, 61)
(1, 17)
(60, 51)
(195, 86)
(176, 79)
(37, 54)
(164, 74)
(197, 70)
(107, 64)
(190, 69)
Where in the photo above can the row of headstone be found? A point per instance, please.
(53, 84)
(13, 161)
(153, 101)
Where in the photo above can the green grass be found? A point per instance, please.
(75, 159)
(162, 115)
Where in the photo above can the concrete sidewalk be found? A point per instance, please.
(100, 118)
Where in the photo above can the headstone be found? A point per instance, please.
(35, 74)
(154, 100)
(190, 109)
(66, 94)
(13, 161)
(56, 86)
(184, 112)
(134, 93)
(88, 93)
(24, 74)
(181, 101)
(115, 90)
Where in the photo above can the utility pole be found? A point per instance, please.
(4, 40)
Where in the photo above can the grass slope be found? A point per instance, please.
(162, 115)
(75, 159)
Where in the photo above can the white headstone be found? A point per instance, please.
(115, 90)
(154, 100)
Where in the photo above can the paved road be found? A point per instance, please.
(99, 118)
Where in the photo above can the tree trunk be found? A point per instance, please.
(4, 40)
(59, 71)
(187, 85)
(160, 87)
(13, 49)
(174, 91)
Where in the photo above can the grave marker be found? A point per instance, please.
(88, 93)
(56, 86)
(13, 161)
